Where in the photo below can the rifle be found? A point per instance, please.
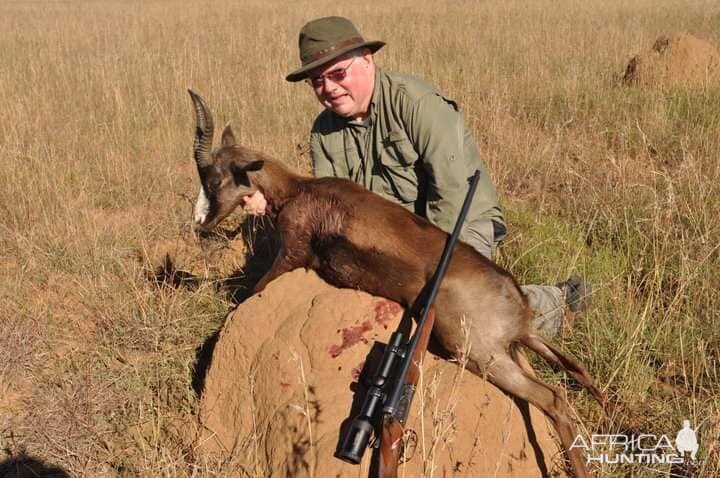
(395, 380)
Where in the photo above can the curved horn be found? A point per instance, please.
(203, 131)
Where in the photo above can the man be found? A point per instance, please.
(400, 138)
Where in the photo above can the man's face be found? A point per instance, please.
(345, 85)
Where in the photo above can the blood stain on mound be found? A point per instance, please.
(350, 337)
(385, 311)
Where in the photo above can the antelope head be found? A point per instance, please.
(224, 172)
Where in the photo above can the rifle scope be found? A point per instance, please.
(361, 428)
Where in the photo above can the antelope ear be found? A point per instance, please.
(255, 165)
(228, 137)
(240, 172)
(240, 175)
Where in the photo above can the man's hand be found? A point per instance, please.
(255, 204)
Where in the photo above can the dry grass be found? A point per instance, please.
(620, 184)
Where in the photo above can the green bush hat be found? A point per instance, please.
(325, 39)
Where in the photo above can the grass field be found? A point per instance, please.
(620, 184)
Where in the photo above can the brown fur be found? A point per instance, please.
(354, 238)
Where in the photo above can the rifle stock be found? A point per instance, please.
(391, 447)
(422, 344)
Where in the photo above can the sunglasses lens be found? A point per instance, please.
(337, 75)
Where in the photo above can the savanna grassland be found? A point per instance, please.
(619, 184)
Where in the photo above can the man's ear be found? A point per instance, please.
(228, 137)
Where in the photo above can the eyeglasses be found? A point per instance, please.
(336, 76)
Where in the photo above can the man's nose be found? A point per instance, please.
(329, 85)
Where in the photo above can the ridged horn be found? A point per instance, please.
(203, 131)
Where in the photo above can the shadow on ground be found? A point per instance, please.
(23, 465)
(263, 243)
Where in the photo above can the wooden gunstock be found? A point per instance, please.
(413, 375)
(391, 447)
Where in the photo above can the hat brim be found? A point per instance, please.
(302, 73)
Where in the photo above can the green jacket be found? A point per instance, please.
(413, 149)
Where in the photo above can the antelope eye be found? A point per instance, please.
(213, 183)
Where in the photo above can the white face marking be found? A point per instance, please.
(202, 207)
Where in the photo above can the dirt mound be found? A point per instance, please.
(678, 59)
(282, 381)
